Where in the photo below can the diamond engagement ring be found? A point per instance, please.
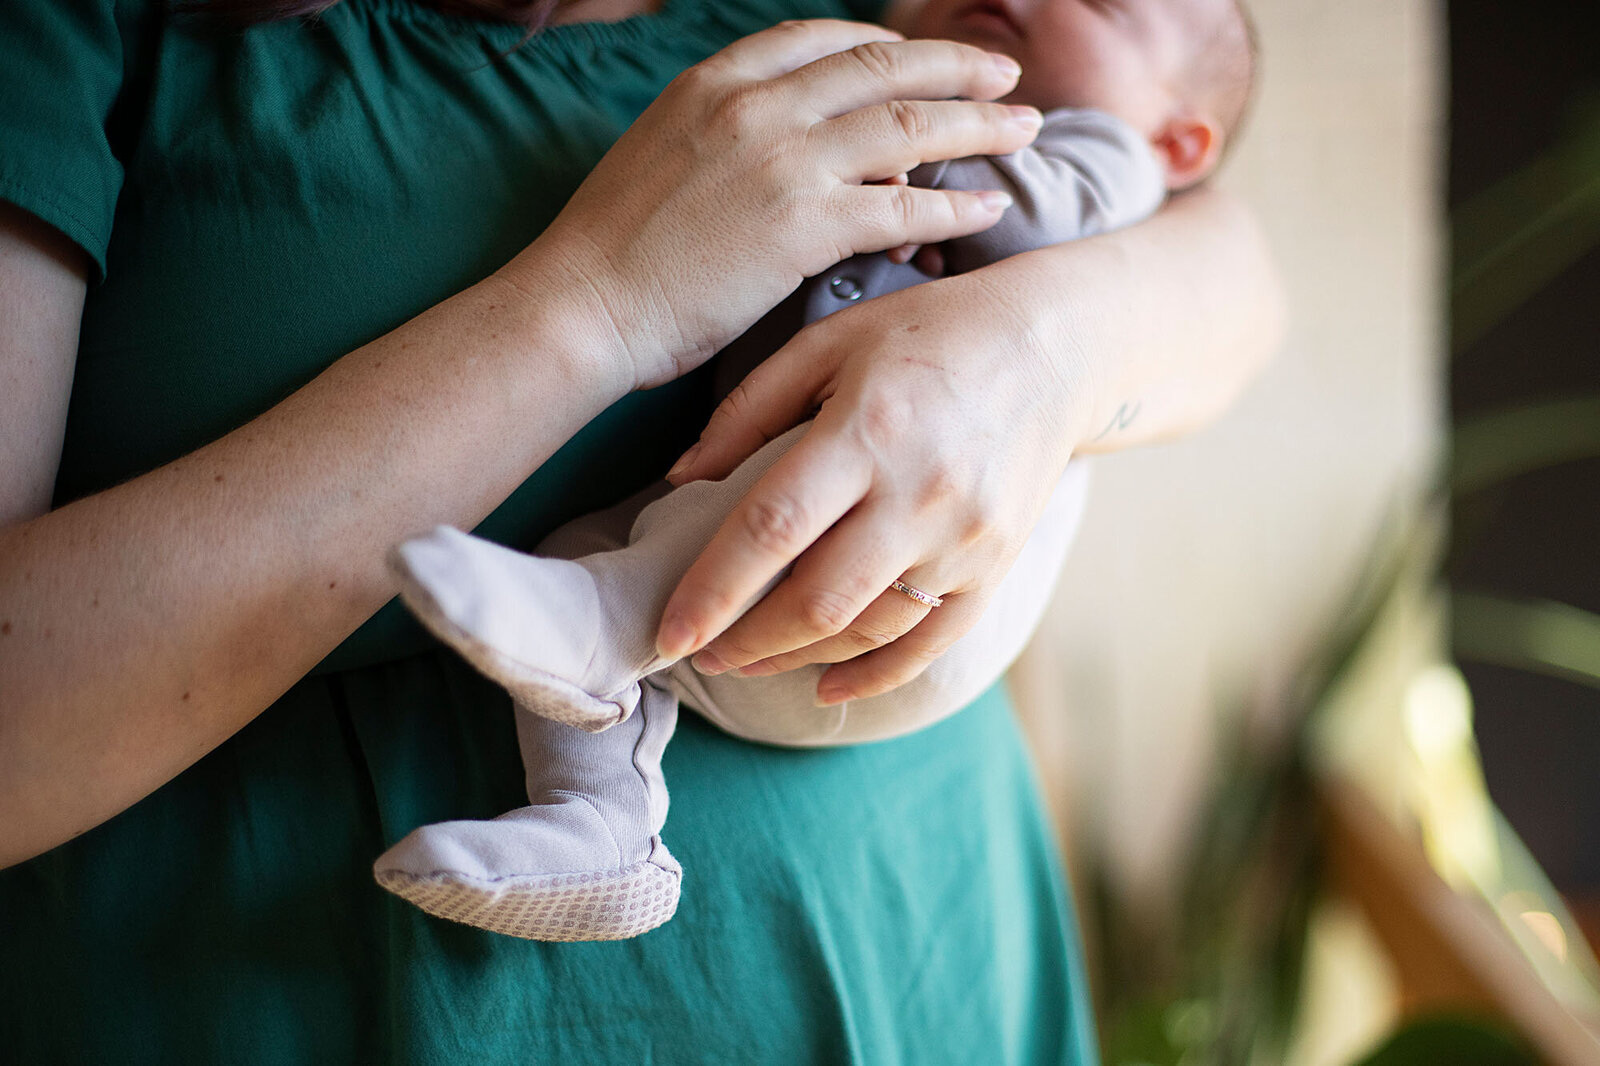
(916, 593)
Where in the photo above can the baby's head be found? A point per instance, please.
(1178, 71)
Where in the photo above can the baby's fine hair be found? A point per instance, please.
(1222, 68)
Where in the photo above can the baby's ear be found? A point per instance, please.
(1188, 146)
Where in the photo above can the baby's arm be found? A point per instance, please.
(1086, 173)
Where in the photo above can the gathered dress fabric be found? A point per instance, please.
(255, 203)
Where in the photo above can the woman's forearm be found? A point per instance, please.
(141, 626)
(1166, 322)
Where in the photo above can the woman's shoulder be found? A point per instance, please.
(64, 65)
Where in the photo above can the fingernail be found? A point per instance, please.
(828, 695)
(675, 639)
(764, 668)
(994, 200)
(710, 664)
(1027, 118)
(1006, 65)
(685, 461)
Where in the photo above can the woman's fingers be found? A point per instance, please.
(891, 138)
(883, 216)
(780, 49)
(805, 493)
(891, 666)
(886, 619)
(829, 589)
(777, 395)
(879, 70)
(905, 252)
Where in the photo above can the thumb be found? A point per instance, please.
(776, 396)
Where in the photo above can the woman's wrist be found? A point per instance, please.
(1156, 328)
(1021, 304)
(556, 308)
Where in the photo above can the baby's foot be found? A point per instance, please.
(538, 626)
(584, 862)
(454, 870)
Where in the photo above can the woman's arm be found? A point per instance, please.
(947, 412)
(141, 626)
(1203, 314)
(41, 300)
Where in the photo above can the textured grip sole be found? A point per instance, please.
(597, 905)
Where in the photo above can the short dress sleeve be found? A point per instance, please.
(61, 72)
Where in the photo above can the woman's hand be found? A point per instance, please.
(945, 413)
(758, 167)
(938, 437)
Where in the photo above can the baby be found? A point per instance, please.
(1140, 97)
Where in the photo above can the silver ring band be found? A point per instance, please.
(916, 593)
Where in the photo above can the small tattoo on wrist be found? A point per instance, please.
(1122, 419)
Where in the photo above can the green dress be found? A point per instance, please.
(255, 204)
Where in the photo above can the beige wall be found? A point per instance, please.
(1207, 567)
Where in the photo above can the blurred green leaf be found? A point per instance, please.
(1452, 1041)
(1142, 1037)
(1490, 448)
(1514, 238)
(1536, 635)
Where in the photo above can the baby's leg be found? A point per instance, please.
(584, 861)
(571, 639)
(779, 709)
